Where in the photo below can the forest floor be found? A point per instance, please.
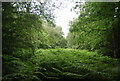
(65, 65)
(75, 64)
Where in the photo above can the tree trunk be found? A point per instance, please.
(114, 45)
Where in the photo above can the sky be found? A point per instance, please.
(62, 12)
(64, 15)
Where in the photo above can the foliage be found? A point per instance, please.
(55, 37)
(64, 64)
(29, 36)
(95, 28)
(24, 32)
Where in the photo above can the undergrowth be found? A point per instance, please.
(63, 65)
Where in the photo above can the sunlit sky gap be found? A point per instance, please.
(64, 15)
(63, 12)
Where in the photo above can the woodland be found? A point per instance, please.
(34, 48)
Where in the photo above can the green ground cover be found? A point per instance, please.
(64, 65)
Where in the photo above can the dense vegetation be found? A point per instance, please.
(63, 64)
(34, 48)
(97, 28)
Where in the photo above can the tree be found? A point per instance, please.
(94, 27)
(22, 32)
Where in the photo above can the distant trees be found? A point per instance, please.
(97, 28)
(24, 28)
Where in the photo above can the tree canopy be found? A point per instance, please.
(24, 31)
(97, 28)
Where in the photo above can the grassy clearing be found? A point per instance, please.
(66, 64)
